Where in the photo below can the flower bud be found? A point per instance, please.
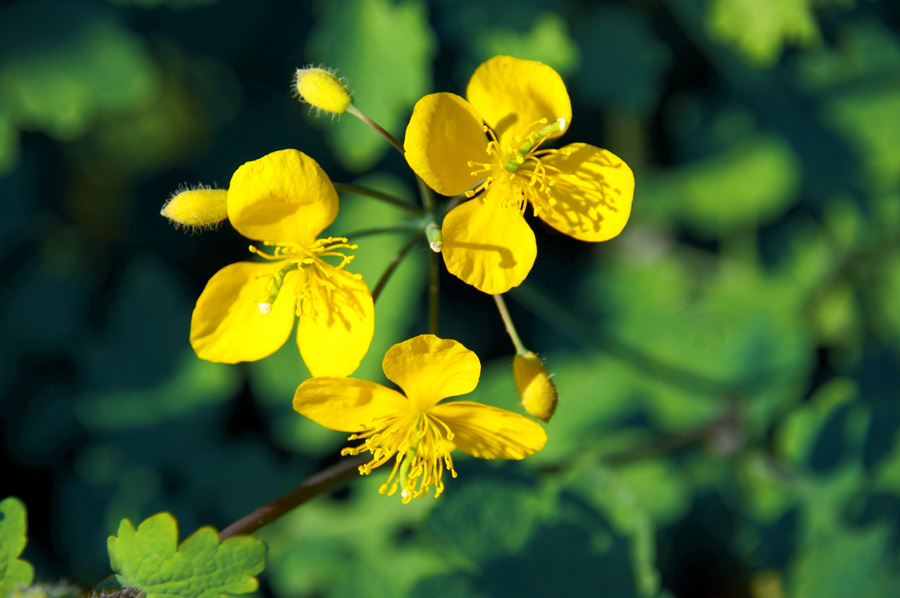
(535, 386)
(322, 89)
(199, 207)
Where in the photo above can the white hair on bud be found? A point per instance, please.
(265, 308)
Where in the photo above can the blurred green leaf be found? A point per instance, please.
(548, 40)
(151, 560)
(92, 66)
(362, 39)
(13, 571)
(194, 385)
(625, 61)
(851, 563)
(759, 29)
(861, 97)
(797, 435)
(702, 335)
(751, 183)
(605, 491)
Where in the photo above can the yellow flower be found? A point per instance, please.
(414, 431)
(580, 190)
(285, 199)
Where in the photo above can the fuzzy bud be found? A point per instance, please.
(199, 207)
(535, 386)
(322, 89)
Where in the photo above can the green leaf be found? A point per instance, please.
(751, 183)
(759, 29)
(13, 571)
(384, 48)
(85, 66)
(151, 560)
(850, 563)
(548, 40)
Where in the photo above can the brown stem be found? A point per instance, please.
(311, 488)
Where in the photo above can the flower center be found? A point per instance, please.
(420, 446)
(518, 168)
(316, 271)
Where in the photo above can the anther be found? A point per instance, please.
(265, 308)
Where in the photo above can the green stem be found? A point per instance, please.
(510, 327)
(394, 201)
(314, 486)
(376, 292)
(390, 138)
(434, 291)
(400, 228)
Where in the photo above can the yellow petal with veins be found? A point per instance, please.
(284, 197)
(490, 432)
(591, 195)
(429, 369)
(347, 404)
(488, 245)
(336, 323)
(512, 94)
(227, 326)
(443, 135)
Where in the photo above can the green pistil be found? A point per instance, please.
(519, 159)
(277, 280)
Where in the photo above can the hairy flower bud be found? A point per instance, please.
(322, 89)
(198, 207)
(535, 386)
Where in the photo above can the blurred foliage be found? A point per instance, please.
(729, 422)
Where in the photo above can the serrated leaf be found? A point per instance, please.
(13, 570)
(150, 559)
(384, 48)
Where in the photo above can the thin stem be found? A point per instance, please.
(508, 323)
(434, 292)
(312, 487)
(390, 138)
(394, 201)
(426, 195)
(376, 292)
(400, 228)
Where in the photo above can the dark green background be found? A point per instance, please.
(727, 367)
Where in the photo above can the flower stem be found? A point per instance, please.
(312, 487)
(390, 138)
(400, 228)
(508, 323)
(434, 292)
(376, 292)
(394, 201)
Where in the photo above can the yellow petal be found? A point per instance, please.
(283, 197)
(490, 432)
(429, 369)
(227, 326)
(487, 245)
(336, 324)
(591, 195)
(445, 133)
(511, 95)
(347, 404)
